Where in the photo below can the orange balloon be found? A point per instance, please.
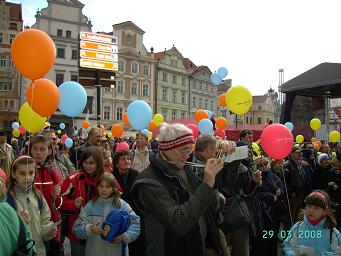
(152, 126)
(313, 139)
(316, 146)
(220, 123)
(43, 97)
(125, 118)
(117, 130)
(33, 53)
(200, 114)
(222, 100)
(85, 124)
(319, 143)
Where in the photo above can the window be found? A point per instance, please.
(10, 63)
(173, 114)
(11, 38)
(259, 120)
(145, 90)
(119, 113)
(133, 89)
(174, 78)
(74, 78)
(200, 85)
(146, 70)
(107, 112)
(121, 66)
(164, 113)
(134, 67)
(2, 61)
(5, 84)
(59, 79)
(183, 114)
(247, 119)
(194, 84)
(6, 105)
(164, 76)
(74, 54)
(68, 34)
(107, 89)
(13, 26)
(206, 87)
(259, 107)
(183, 81)
(211, 105)
(200, 102)
(223, 113)
(211, 89)
(195, 102)
(60, 53)
(164, 94)
(88, 106)
(183, 97)
(250, 120)
(174, 96)
(174, 63)
(59, 32)
(206, 103)
(119, 86)
(1, 37)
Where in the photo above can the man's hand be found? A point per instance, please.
(257, 177)
(52, 232)
(278, 192)
(227, 146)
(213, 166)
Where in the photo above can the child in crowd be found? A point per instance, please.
(88, 225)
(29, 202)
(107, 162)
(48, 181)
(316, 233)
(77, 189)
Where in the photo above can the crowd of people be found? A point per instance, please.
(171, 196)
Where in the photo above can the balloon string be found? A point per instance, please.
(79, 185)
(286, 192)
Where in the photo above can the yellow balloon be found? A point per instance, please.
(299, 139)
(238, 99)
(158, 119)
(30, 120)
(109, 134)
(255, 148)
(16, 133)
(334, 153)
(315, 124)
(59, 131)
(150, 135)
(334, 136)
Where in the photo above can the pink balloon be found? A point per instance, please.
(277, 141)
(64, 137)
(220, 133)
(194, 129)
(122, 146)
(21, 129)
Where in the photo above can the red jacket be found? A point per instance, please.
(46, 179)
(76, 184)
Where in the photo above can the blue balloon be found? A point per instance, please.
(62, 126)
(68, 143)
(209, 112)
(15, 125)
(205, 126)
(222, 71)
(72, 98)
(289, 125)
(139, 114)
(216, 79)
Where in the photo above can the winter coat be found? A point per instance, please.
(96, 212)
(303, 233)
(40, 224)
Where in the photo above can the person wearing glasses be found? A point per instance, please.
(173, 203)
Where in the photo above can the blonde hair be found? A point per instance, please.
(261, 160)
(170, 132)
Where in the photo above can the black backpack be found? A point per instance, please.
(24, 246)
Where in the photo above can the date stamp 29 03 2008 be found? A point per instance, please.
(306, 234)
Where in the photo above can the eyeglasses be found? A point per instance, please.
(185, 151)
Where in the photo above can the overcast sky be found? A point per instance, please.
(252, 39)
